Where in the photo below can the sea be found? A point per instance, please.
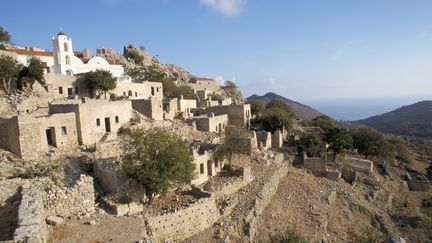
(352, 109)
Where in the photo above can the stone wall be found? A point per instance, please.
(185, 106)
(418, 182)
(205, 166)
(211, 123)
(184, 223)
(144, 90)
(264, 139)
(263, 199)
(276, 139)
(317, 165)
(29, 136)
(63, 86)
(244, 178)
(238, 115)
(151, 108)
(71, 201)
(31, 216)
(95, 118)
(356, 164)
(114, 180)
(34, 133)
(9, 135)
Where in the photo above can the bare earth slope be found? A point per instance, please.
(300, 110)
(413, 120)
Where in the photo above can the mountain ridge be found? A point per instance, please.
(413, 120)
(301, 111)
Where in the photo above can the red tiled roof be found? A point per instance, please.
(113, 62)
(32, 53)
(203, 79)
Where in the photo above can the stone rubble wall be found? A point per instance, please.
(263, 199)
(317, 165)
(31, 216)
(356, 164)
(185, 223)
(245, 177)
(71, 201)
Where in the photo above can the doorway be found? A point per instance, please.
(107, 124)
(209, 168)
(70, 91)
(50, 136)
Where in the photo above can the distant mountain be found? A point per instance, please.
(413, 120)
(301, 111)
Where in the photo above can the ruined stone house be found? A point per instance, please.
(211, 123)
(66, 125)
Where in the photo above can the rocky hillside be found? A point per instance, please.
(301, 111)
(413, 121)
(136, 58)
(145, 59)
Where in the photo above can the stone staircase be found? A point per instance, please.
(104, 137)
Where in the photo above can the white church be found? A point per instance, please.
(63, 61)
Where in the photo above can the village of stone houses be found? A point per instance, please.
(119, 147)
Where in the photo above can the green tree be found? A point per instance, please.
(276, 116)
(153, 73)
(338, 139)
(274, 119)
(400, 149)
(136, 73)
(311, 144)
(371, 143)
(9, 69)
(99, 82)
(157, 159)
(279, 104)
(257, 107)
(324, 122)
(31, 73)
(4, 35)
(234, 143)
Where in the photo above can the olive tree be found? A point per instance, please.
(99, 82)
(31, 73)
(157, 159)
(9, 69)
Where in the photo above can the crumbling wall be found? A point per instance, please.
(263, 199)
(183, 223)
(9, 135)
(74, 201)
(211, 123)
(276, 139)
(418, 182)
(144, 90)
(244, 178)
(31, 216)
(238, 115)
(317, 165)
(356, 164)
(151, 108)
(33, 136)
(114, 180)
(264, 139)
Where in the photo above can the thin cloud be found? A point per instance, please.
(227, 8)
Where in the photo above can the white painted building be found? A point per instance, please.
(66, 63)
(63, 61)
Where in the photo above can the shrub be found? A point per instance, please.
(290, 236)
(157, 159)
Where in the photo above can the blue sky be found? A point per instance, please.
(304, 49)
